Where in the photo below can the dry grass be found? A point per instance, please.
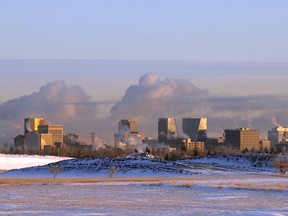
(254, 187)
(242, 183)
(27, 181)
(220, 186)
(157, 183)
(188, 185)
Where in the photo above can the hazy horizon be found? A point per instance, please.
(95, 76)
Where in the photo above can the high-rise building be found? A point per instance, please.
(167, 130)
(278, 135)
(56, 130)
(40, 135)
(195, 128)
(31, 124)
(242, 138)
(38, 141)
(127, 124)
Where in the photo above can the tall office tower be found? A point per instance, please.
(242, 138)
(278, 135)
(31, 125)
(129, 125)
(167, 130)
(195, 128)
(38, 141)
(56, 130)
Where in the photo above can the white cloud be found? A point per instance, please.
(149, 79)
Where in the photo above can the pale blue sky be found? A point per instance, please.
(225, 46)
(205, 30)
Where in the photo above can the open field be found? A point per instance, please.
(245, 194)
(27, 181)
(250, 182)
(140, 187)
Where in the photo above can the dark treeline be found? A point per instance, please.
(160, 154)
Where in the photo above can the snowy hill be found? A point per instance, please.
(243, 162)
(135, 166)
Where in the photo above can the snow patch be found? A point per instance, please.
(9, 162)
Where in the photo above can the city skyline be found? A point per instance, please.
(41, 135)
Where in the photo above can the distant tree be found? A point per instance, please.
(195, 153)
(278, 149)
(209, 152)
(55, 169)
(147, 150)
(272, 151)
(183, 148)
(174, 155)
(245, 150)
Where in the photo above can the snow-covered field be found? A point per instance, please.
(193, 196)
(8, 162)
(219, 185)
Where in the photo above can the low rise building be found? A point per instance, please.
(265, 144)
(191, 146)
(242, 139)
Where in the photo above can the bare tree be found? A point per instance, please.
(282, 165)
(55, 169)
(112, 170)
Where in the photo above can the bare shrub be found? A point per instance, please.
(174, 155)
(55, 169)
(112, 170)
(188, 185)
(282, 165)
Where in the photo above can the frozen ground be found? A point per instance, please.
(211, 195)
(8, 162)
(219, 185)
